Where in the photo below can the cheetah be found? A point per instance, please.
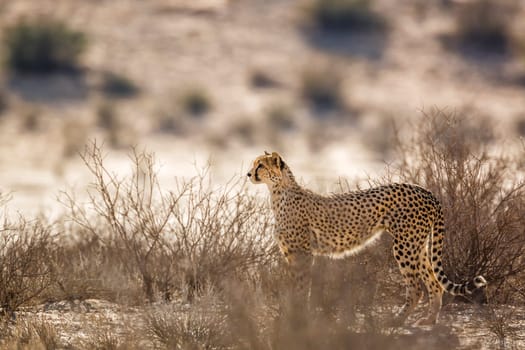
(339, 225)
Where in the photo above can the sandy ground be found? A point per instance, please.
(461, 326)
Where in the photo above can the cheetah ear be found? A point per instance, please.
(266, 153)
(278, 160)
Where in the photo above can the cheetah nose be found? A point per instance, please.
(249, 174)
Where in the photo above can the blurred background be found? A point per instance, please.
(328, 83)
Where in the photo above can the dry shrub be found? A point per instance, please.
(321, 87)
(379, 134)
(247, 318)
(245, 129)
(482, 194)
(280, 117)
(107, 115)
(485, 24)
(4, 101)
(4, 199)
(75, 134)
(520, 126)
(345, 310)
(261, 79)
(196, 101)
(128, 218)
(24, 269)
(344, 15)
(86, 268)
(46, 333)
(30, 119)
(220, 233)
(104, 340)
(105, 335)
(108, 119)
(176, 242)
(118, 86)
(503, 332)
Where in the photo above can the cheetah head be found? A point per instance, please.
(267, 169)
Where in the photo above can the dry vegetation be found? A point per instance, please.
(134, 266)
(484, 196)
(321, 87)
(42, 46)
(486, 24)
(343, 15)
(200, 264)
(195, 101)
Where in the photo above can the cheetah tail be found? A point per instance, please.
(436, 249)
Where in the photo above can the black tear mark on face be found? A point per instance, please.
(256, 175)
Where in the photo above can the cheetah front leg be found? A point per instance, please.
(295, 246)
(300, 264)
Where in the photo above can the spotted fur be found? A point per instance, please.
(339, 225)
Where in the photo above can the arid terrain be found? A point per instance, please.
(409, 94)
(167, 47)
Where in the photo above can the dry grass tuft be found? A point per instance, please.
(106, 338)
(197, 328)
(36, 334)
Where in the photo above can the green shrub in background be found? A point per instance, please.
(321, 87)
(343, 15)
(118, 86)
(42, 46)
(196, 101)
(485, 24)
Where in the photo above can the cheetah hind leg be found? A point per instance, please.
(413, 295)
(434, 289)
(413, 287)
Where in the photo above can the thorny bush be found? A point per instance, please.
(25, 270)
(483, 195)
(174, 242)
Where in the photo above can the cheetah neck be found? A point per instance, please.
(286, 185)
(288, 179)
